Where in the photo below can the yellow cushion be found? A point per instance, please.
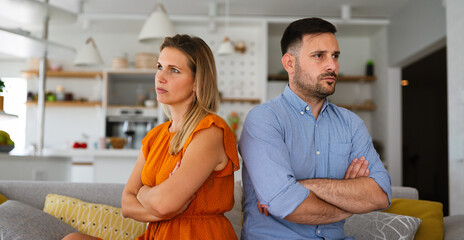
(2, 199)
(97, 220)
(431, 214)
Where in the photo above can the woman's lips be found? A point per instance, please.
(161, 90)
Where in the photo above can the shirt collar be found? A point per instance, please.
(298, 103)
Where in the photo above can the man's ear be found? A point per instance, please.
(288, 60)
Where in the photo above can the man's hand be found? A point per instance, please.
(263, 209)
(357, 168)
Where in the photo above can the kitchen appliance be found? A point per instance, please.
(131, 124)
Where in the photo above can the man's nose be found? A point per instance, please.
(331, 64)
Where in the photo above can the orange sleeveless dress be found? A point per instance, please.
(204, 219)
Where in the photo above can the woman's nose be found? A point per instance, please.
(159, 76)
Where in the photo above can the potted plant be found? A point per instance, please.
(2, 86)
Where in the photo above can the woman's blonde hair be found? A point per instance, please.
(206, 99)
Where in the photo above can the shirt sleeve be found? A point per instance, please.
(363, 146)
(265, 155)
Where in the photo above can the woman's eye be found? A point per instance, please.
(336, 56)
(318, 55)
(175, 70)
(160, 67)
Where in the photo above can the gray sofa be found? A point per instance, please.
(33, 193)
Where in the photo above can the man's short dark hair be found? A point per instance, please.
(294, 32)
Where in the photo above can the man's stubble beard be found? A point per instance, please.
(303, 82)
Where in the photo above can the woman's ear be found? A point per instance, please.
(288, 61)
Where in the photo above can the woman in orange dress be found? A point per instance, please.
(183, 181)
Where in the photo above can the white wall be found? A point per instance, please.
(415, 28)
(239, 75)
(455, 51)
(385, 90)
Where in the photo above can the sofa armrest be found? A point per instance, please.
(454, 227)
(405, 192)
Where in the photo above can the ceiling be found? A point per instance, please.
(359, 9)
(296, 8)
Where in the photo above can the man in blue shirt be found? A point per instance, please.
(308, 164)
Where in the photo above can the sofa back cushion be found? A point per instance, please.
(33, 193)
(20, 221)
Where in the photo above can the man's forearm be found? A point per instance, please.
(314, 211)
(359, 195)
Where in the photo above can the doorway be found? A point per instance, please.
(425, 127)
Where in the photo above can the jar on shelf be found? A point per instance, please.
(60, 95)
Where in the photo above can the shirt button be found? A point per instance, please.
(318, 231)
(302, 112)
(317, 152)
(307, 108)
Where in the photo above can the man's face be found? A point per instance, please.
(316, 67)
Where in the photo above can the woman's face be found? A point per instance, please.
(174, 80)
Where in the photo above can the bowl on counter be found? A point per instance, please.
(6, 148)
(117, 142)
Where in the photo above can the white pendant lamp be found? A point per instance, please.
(226, 46)
(157, 26)
(88, 55)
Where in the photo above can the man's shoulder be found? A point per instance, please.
(342, 112)
(273, 106)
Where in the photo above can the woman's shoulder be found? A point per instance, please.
(212, 119)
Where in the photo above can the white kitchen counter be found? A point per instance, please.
(98, 165)
(130, 153)
(34, 168)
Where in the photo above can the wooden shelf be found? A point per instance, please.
(62, 74)
(66, 104)
(242, 100)
(132, 107)
(345, 78)
(4, 115)
(369, 107)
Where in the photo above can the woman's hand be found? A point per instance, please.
(175, 168)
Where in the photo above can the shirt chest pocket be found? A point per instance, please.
(339, 159)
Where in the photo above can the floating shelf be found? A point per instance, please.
(131, 107)
(66, 104)
(346, 78)
(62, 74)
(242, 100)
(4, 115)
(370, 107)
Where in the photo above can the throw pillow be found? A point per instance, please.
(20, 221)
(431, 214)
(97, 220)
(2, 199)
(381, 226)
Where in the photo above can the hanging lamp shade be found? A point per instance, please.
(88, 55)
(226, 47)
(157, 26)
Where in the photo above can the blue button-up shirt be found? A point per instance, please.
(281, 143)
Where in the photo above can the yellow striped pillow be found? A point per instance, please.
(2, 199)
(97, 220)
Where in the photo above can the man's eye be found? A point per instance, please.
(336, 56)
(160, 67)
(318, 55)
